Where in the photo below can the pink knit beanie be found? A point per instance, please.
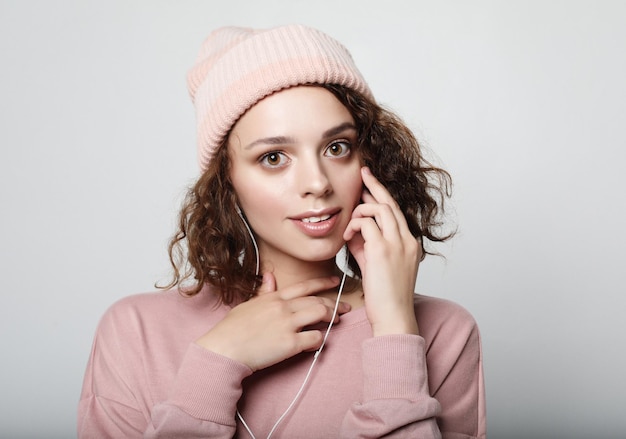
(237, 67)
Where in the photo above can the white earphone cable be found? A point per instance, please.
(317, 352)
(256, 248)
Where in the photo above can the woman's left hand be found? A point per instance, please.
(388, 255)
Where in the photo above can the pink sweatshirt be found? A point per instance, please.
(146, 378)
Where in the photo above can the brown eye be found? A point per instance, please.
(338, 149)
(274, 159)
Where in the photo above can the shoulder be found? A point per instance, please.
(158, 309)
(444, 322)
(438, 311)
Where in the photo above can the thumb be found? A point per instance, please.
(268, 284)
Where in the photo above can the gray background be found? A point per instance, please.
(523, 101)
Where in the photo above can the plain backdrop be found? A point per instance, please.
(524, 102)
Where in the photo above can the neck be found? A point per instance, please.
(290, 272)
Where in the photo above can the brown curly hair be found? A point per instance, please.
(212, 245)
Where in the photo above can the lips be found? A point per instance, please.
(317, 224)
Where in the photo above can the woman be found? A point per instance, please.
(298, 161)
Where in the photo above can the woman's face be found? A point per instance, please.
(296, 174)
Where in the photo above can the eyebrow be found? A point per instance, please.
(338, 130)
(281, 140)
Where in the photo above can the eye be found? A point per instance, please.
(274, 159)
(338, 148)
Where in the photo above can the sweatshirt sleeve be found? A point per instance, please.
(396, 402)
(204, 378)
(108, 407)
(113, 406)
(456, 379)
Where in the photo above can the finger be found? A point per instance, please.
(366, 197)
(309, 340)
(382, 196)
(376, 188)
(371, 234)
(386, 220)
(268, 284)
(366, 227)
(312, 315)
(302, 303)
(355, 243)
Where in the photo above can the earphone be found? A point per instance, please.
(256, 248)
(317, 352)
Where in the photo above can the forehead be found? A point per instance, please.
(301, 111)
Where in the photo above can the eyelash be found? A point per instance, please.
(345, 144)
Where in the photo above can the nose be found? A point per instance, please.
(313, 179)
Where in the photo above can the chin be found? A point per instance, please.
(321, 255)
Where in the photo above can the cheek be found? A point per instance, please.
(258, 200)
(353, 187)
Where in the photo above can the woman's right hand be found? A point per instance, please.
(267, 329)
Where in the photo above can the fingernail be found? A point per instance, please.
(367, 170)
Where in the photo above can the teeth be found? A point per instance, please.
(315, 219)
